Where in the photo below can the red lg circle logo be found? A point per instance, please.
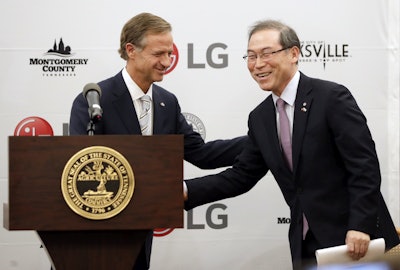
(175, 58)
(33, 126)
(162, 232)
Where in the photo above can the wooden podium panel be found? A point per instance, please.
(35, 169)
(73, 241)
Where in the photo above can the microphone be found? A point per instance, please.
(92, 93)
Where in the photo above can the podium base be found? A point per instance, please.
(93, 249)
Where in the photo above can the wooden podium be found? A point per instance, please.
(36, 201)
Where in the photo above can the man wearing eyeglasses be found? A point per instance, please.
(313, 137)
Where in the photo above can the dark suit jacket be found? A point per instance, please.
(119, 117)
(336, 177)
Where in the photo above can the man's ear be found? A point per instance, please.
(130, 50)
(295, 53)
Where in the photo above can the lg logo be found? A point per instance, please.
(175, 59)
(218, 221)
(215, 218)
(213, 58)
(33, 126)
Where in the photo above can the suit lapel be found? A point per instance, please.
(268, 122)
(301, 113)
(160, 116)
(123, 105)
(271, 125)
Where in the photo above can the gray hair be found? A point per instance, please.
(288, 37)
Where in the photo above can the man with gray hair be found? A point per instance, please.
(313, 137)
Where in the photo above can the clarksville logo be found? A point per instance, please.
(58, 61)
(323, 52)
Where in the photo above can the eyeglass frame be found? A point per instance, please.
(263, 55)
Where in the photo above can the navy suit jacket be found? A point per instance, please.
(336, 177)
(119, 117)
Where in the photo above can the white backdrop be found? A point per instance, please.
(361, 44)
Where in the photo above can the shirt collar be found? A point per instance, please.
(133, 88)
(290, 91)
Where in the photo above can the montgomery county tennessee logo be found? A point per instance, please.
(58, 61)
(323, 52)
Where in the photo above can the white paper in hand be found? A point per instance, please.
(338, 254)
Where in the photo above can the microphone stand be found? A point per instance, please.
(94, 117)
(90, 128)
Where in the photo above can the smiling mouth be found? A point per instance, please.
(161, 70)
(263, 75)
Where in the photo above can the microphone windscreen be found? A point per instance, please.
(91, 86)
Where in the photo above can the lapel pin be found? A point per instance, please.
(162, 104)
(304, 109)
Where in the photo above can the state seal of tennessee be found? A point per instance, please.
(97, 182)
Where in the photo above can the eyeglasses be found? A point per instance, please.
(264, 56)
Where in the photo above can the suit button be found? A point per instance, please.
(299, 191)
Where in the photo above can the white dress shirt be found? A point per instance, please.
(136, 94)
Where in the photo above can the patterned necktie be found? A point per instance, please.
(144, 118)
(285, 136)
